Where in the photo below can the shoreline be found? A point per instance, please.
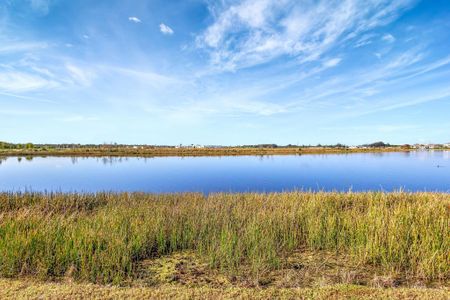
(174, 152)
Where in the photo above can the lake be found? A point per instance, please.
(411, 171)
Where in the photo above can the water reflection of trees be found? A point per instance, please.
(265, 157)
(112, 160)
(28, 158)
(106, 160)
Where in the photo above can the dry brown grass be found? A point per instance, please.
(27, 289)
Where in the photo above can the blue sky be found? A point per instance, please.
(225, 72)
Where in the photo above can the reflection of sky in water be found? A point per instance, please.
(421, 170)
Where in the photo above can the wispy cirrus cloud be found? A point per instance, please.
(365, 39)
(15, 47)
(7, 95)
(165, 29)
(383, 88)
(14, 81)
(383, 128)
(79, 75)
(254, 32)
(148, 77)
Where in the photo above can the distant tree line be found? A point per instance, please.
(4, 145)
(378, 145)
(338, 145)
(112, 146)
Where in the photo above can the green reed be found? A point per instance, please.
(102, 237)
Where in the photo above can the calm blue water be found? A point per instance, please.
(414, 171)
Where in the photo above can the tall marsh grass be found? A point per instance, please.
(102, 237)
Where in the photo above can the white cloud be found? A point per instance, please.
(148, 77)
(22, 97)
(11, 47)
(388, 38)
(404, 60)
(79, 75)
(134, 19)
(366, 39)
(440, 95)
(14, 81)
(370, 91)
(42, 71)
(256, 107)
(253, 32)
(165, 29)
(231, 105)
(332, 62)
(380, 128)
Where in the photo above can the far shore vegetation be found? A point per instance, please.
(291, 244)
(113, 149)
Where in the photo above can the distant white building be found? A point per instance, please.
(447, 145)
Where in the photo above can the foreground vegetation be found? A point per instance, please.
(106, 237)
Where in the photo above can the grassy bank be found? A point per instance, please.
(171, 151)
(103, 238)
